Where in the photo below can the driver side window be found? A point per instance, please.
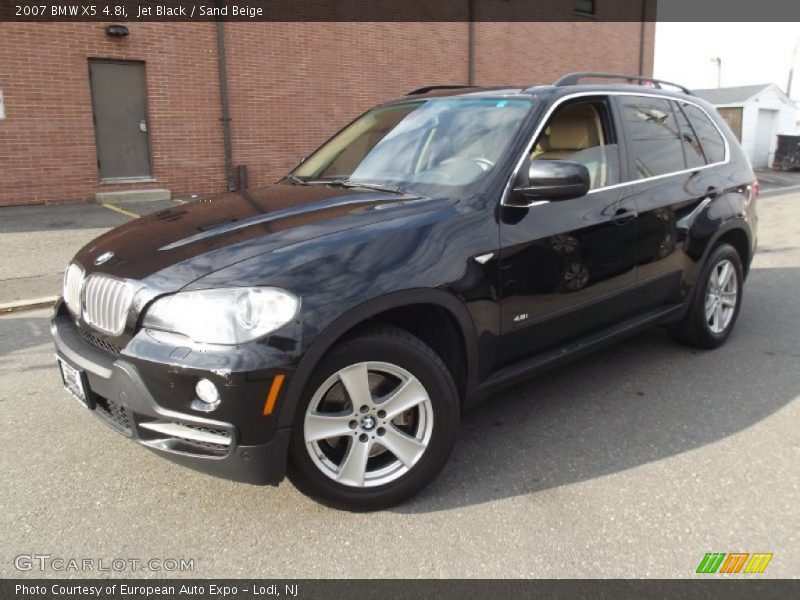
(581, 132)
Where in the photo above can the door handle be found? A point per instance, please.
(713, 192)
(623, 216)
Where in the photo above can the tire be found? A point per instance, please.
(329, 468)
(696, 329)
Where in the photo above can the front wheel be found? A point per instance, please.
(716, 301)
(377, 422)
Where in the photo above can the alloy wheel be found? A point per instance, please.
(368, 424)
(721, 293)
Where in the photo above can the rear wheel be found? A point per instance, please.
(377, 422)
(716, 301)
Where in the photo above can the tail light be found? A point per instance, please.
(751, 195)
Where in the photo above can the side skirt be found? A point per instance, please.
(553, 358)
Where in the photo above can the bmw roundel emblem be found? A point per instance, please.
(103, 258)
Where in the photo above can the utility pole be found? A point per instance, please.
(791, 70)
(718, 61)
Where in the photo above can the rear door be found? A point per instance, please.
(669, 168)
(567, 266)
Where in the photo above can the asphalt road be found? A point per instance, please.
(634, 462)
(37, 242)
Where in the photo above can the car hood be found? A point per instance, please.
(169, 249)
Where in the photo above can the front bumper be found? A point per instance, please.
(121, 399)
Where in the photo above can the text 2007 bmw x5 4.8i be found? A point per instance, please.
(445, 244)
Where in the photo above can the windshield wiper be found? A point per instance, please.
(347, 183)
(293, 178)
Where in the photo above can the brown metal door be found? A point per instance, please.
(733, 117)
(119, 101)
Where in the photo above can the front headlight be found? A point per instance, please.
(223, 316)
(74, 277)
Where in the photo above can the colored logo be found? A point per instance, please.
(734, 562)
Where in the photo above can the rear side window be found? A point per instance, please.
(710, 139)
(655, 140)
(692, 151)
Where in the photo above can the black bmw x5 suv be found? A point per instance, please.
(441, 246)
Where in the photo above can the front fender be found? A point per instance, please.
(358, 315)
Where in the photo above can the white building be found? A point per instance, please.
(756, 114)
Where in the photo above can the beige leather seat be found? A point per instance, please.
(574, 128)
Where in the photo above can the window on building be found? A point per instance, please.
(586, 7)
(655, 141)
(710, 139)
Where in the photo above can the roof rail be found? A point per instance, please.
(430, 88)
(574, 78)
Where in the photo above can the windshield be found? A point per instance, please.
(445, 141)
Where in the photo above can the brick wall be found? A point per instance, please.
(541, 52)
(291, 85)
(310, 79)
(47, 145)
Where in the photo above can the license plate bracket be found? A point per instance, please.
(75, 383)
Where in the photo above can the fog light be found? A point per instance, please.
(207, 392)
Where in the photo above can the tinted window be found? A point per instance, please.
(582, 132)
(710, 138)
(655, 142)
(692, 151)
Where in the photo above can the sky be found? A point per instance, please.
(751, 53)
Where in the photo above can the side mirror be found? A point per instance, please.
(551, 180)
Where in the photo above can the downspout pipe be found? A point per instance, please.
(642, 35)
(226, 113)
(471, 42)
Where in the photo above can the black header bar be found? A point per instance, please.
(398, 10)
(714, 586)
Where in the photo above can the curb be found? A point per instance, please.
(19, 305)
(778, 191)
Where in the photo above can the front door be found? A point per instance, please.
(567, 267)
(119, 101)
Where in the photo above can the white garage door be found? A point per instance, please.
(765, 134)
